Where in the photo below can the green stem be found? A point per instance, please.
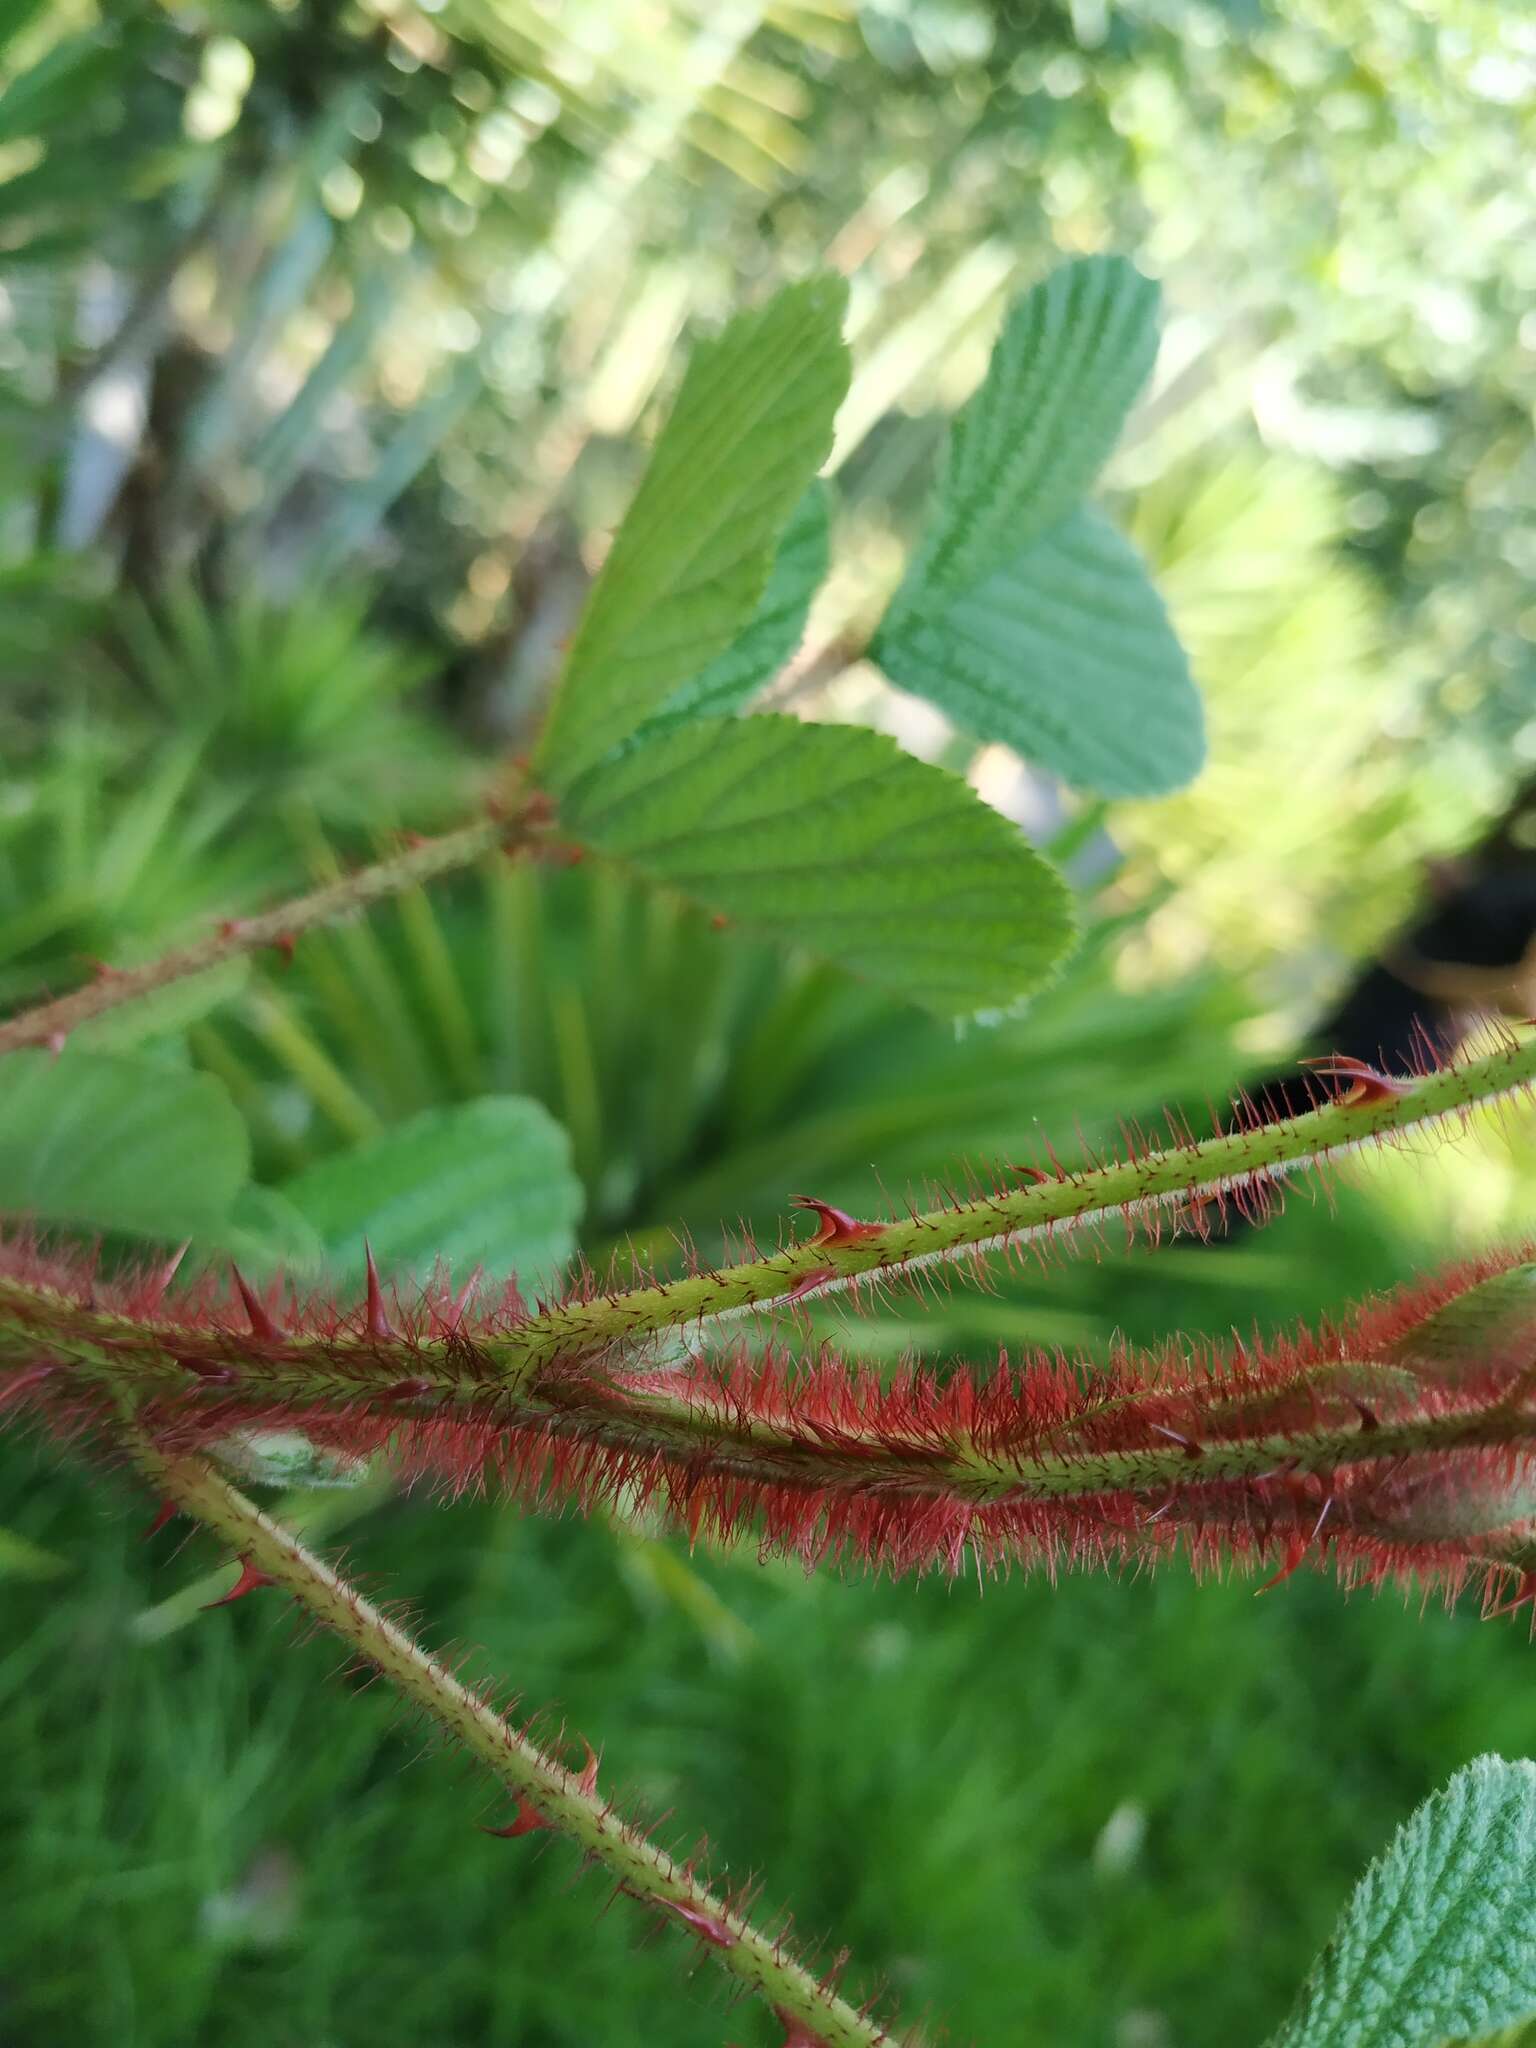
(1123, 1192)
(514, 1362)
(569, 1806)
(52, 1022)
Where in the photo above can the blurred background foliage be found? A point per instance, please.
(331, 337)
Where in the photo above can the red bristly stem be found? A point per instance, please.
(564, 1800)
(1409, 1436)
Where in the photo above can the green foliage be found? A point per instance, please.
(266, 1827)
(105, 1142)
(1065, 653)
(689, 566)
(1025, 618)
(1073, 354)
(763, 646)
(289, 295)
(1440, 1939)
(302, 698)
(486, 1183)
(832, 838)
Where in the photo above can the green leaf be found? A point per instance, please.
(1439, 1941)
(1024, 616)
(775, 631)
(1025, 449)
(1064, 652)
(486, 1183)
(102, 1141)
(831, 838)
(751, 426)
(266, 1233)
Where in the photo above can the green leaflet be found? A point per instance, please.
(106, 1142)
(775, 631)
(751, 426)
(1024, 616)
(1439, 1941)
(1024, 450)
(1064, 652)
(831, 838)
(486, 1183)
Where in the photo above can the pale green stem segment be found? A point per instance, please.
(514, 1363)
(52, 1022)
(648, 1873)
(1121, 1192)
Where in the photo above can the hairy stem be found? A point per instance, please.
(1123, 1191)
(52, 1022)
(453, 1358)
(565, 1800)
(1371, 1415)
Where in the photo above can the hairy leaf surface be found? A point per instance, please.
(831, 838)
(1025, 616)
(1439, 1941)
(751, 426)
(776, 629)
(1025, 448)
(1065, 652)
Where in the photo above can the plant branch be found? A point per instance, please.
(1412, 1427)
(50, 1023)
(1136, 1189)
(769, 1427)
(566, 1801)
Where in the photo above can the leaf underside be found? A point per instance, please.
(775, 631)
(1025, 617)
(1065, 653)
(1073, 354)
